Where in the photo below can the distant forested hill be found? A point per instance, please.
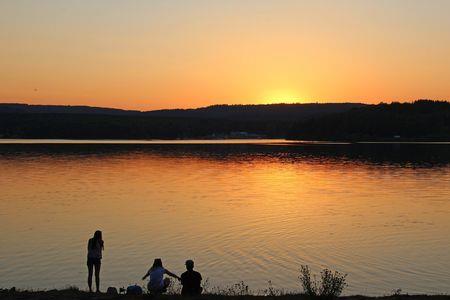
(232, 112)
(83, 122)
(423, 119)
(10, 108)
(284, 112)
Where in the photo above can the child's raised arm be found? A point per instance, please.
(146, 275)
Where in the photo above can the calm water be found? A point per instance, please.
(252, 212)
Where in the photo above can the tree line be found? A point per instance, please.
(423, 119)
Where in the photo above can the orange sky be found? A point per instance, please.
(167, 54)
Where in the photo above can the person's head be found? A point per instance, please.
(190, 265)
(98, 235)
(157, 263)
(97, 239)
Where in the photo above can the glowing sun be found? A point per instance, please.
(281, 96)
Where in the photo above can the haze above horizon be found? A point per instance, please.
(148, 55)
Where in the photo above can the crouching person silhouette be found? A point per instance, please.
(191, 281)
(158, 284)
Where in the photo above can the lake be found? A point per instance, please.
(243, 210)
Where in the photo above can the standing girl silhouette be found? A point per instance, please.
(94, 259)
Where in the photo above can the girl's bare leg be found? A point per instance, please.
(90, 271)
(97, 276)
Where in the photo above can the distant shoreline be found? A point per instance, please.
(75, 294)
(225, 141)
(422, 120)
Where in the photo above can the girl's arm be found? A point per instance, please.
(172, 274)
(146, 275)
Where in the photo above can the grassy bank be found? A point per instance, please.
(73, 294)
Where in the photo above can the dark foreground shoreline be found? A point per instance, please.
(72, 294)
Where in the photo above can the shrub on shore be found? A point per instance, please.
(331, 284)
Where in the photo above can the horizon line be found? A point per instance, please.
(222, 104)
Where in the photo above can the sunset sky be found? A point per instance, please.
(153, 54)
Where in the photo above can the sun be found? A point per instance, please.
(281, 96)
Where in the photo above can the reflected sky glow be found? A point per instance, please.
(253, 214)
